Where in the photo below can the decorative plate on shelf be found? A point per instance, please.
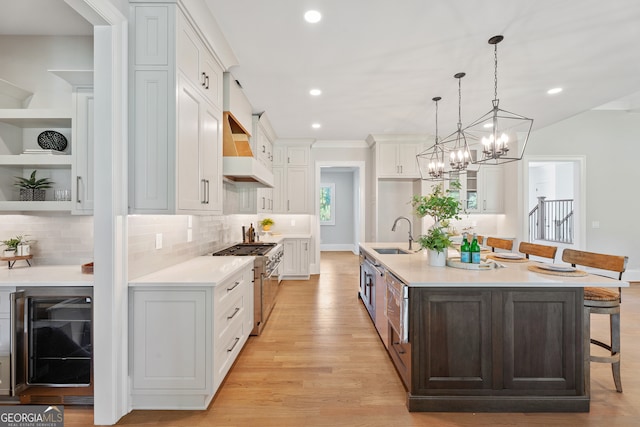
(52, 140)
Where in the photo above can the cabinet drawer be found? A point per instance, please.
(228, 290)
(228, 317)
(225, 352)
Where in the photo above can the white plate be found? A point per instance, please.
(554, 267)
(504, 255)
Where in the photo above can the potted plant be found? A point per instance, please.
(266, 224)
(442, 207)
(32, 188)
(12, 245)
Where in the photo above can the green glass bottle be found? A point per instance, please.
(475, 250)
(465, 249)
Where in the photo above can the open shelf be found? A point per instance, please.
(36, 160)
(16, 206)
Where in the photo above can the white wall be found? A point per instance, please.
(609, 140)
(342, 233)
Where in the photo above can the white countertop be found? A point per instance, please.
(44, 275)
(204, 270)
(414, 269)
(278, 238)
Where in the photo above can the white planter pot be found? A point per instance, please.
(437, 259)
(9, 253)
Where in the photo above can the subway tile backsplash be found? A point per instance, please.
(208, 233)
(54, 239)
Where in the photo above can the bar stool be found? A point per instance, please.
(543, 251)
(494, 242)
(601, 301)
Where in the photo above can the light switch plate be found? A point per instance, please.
(158, 240)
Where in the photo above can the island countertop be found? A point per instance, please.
(414, 269)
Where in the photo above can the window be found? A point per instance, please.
(327, 204)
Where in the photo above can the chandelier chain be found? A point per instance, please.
(495, 72)
(459, 101)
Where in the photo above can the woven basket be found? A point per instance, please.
(32, 194)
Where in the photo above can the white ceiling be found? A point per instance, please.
(380, 62)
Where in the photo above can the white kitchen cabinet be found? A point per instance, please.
(199, 183)
(175, 158)
(397, 160)
(184, 339)
(481, 191)
(296, 258)
(82, 190)
(291, 192)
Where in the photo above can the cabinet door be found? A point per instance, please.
(279, 154)
(387, 155)
(297, 191)
(291, 257)
(211, 73)
(279, 191)
(191, 188)
(407, 160)
(188, 52)
(303, 264)
(445, 323)
(210, 155)
(297, 156)
(182, 363)
(83, 133)
(492, 189)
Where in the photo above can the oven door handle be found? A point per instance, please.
(18, 343)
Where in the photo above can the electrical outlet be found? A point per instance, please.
(158, 240)
(293, 222)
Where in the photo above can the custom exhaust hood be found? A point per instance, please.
(239, 164)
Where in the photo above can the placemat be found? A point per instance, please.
(500, 259)
(537, 269)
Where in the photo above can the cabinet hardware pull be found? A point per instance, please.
(234, 313)
(235, 285)
(208, 192)
(263, 202)
(288, 205)
(264, 149)
(204, 191)
(207, 80)
(204, 76)
(78, 178)
(229, 350)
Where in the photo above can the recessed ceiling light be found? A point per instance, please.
(488, 125)
(312, 16)
(316, 125)
(315, 92)
(554, 90)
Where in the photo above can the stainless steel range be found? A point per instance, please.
(266, 277)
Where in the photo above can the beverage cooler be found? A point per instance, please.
(52, 345)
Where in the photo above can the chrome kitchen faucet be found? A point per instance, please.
(409, 221)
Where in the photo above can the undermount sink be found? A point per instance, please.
(391, 251)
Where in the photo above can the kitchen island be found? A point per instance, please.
(501, 340)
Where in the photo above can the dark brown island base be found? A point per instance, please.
(505, 340)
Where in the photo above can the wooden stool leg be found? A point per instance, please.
(615, 349)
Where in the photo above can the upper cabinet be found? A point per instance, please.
(82, 193)
(291, 192)
(175, 158)
(397, 160)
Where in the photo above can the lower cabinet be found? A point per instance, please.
(493, 349)
(296, 258)
(184, 339)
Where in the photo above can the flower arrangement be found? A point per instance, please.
(266, 224)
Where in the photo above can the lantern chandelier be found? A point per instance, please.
(456, 143)
(431, 161)
(503, 134)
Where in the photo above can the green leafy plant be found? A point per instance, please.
(12, 243)
(266, 222)
(442, 207)
(32, 183)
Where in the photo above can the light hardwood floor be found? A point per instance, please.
(319, 362)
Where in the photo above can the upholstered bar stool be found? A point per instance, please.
(535, 249)
(494, 242)
(601, 301)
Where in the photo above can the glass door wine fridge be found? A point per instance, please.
(52, 344)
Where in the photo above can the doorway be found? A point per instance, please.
(555, 181)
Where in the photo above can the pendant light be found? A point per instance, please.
(456, 143)
(431, 161)
(503, 134)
